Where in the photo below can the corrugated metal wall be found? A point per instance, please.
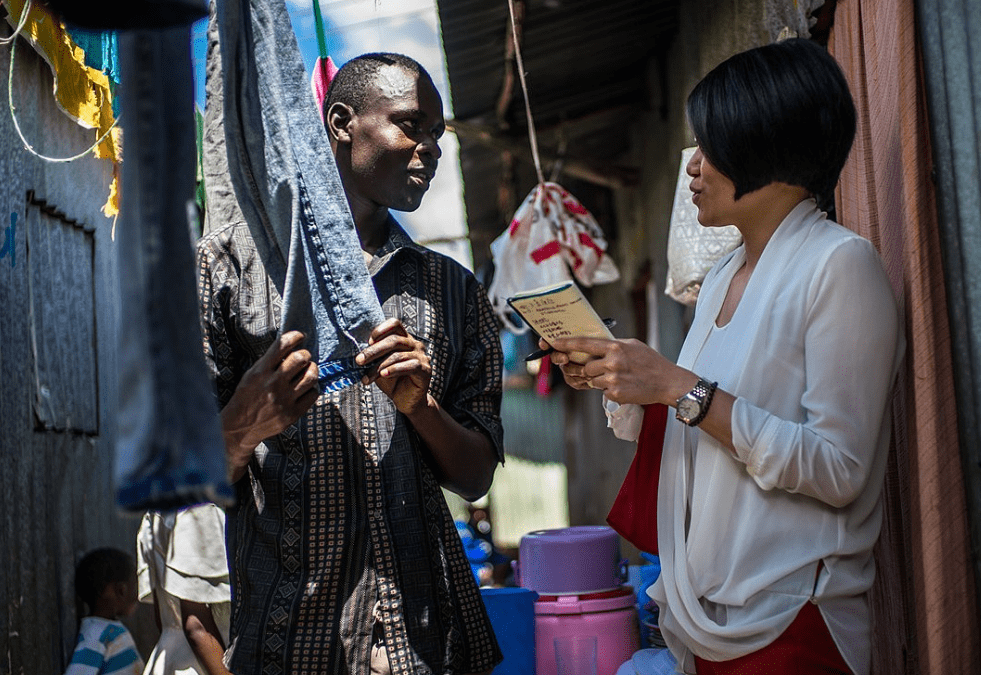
(58, 322)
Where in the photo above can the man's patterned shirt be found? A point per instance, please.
(331, 529)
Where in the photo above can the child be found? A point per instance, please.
(183, 571)
(105, 580)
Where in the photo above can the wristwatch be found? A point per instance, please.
(694, 406)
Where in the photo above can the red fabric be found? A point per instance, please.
(543, 381)
(634, 512)
(805, 648)
(545, 251)
(586, 240)
(323, 72)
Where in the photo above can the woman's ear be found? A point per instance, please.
(339, 117)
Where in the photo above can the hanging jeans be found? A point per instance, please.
(169, 447)
(284, 183)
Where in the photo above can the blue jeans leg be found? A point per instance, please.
(287, 186)
(169, 447)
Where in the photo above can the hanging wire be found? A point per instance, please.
(20, 26)
(532, 137)
(13, 115)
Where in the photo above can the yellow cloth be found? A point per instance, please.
(81, 92)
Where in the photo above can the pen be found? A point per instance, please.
(609, 323)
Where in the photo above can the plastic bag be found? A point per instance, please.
(692, 248)
(551, 239)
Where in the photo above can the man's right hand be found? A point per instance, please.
(279, 388)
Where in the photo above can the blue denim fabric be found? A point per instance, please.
(169, 447)
(286, 184)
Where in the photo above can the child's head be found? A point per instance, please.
(105, 580)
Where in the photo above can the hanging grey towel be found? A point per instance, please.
(169, 447)
(285, 184)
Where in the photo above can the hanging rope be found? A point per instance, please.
(318, 22)
(13, 115)
(532, 137)
(20, 26)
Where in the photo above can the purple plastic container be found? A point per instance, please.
(571, 560)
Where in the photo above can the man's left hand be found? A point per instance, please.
(401, 366)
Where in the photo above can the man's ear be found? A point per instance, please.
(339, 117)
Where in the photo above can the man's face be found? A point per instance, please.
(394, 140)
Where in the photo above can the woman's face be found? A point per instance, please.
(712, 192)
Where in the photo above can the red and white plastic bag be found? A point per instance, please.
(552, 238)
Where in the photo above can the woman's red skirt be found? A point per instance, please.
(805, 648)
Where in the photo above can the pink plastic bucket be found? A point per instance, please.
(610, 617)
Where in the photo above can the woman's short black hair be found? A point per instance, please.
(782, 112)
(98, 569)
(352, 82)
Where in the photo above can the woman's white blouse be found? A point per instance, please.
(811, 354)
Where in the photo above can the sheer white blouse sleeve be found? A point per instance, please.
(849, 354)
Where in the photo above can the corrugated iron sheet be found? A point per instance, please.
(586, 64)
(580, 56)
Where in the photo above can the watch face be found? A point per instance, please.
(688, 408)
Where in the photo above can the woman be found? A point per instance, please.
(769, 494)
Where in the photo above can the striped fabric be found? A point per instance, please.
(104, 647)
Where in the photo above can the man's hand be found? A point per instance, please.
(279, 388)
(401, 366)
(463, 460)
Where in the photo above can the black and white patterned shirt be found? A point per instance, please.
(331, 528)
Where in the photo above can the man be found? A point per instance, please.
(344, 556)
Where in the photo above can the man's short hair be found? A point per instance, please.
(352, 82)
(98, 569)
(781, 112)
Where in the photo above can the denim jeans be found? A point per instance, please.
(169, 447)
(286, 185)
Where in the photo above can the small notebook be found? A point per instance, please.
(560, 310)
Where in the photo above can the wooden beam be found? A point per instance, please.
(612, 176)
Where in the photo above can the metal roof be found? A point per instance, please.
(586, 68)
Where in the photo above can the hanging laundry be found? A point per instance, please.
(323, 73)
(169, 447)
(324, 69)
(81, 92)
(292, 199)
(692, 248)
(101, 52)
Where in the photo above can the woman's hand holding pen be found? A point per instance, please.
(547, 349)
(627, 371)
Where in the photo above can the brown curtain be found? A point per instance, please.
(924, 613)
